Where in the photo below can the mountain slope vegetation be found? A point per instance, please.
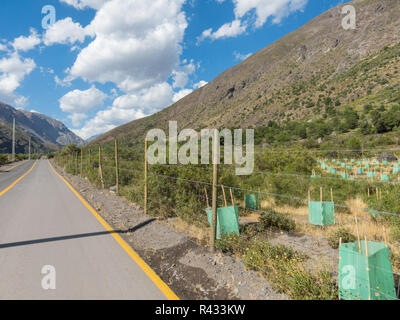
(312, 75)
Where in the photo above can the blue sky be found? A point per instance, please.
(103, 63)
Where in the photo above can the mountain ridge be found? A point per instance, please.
(46, 133)
(280, 81)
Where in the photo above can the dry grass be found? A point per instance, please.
(366, 225)
(193, 231)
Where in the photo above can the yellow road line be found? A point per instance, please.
(169, 294)
(18, 180)
(19, 164)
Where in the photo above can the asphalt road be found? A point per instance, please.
(8, 174)
(44, 223)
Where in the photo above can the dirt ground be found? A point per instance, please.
(190, 270)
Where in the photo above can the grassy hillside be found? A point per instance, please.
(316, 72)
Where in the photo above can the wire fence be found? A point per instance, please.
(84, 165)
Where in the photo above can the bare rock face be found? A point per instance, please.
(316, 52)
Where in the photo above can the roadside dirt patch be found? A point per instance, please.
(190, 270)
(319, 252)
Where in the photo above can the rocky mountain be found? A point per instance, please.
(46, 133)
(291, 78)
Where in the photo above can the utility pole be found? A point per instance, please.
(13, 142)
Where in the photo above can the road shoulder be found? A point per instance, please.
(188, 268)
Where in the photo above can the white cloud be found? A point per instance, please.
(66, 82)
(13, 70)
(3, 47)
(26, 43)
(78, 101)
(148, 100)
(64, 31)
(137, 44)
(275, 9)
(181, 76)
(200, 84)
(240, 56)
(83, 4)
(20, 101)
(77, 118)
(256, 13)
(181, 94)
(127, 108)
(228, 30)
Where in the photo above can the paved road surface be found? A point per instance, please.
(8, 174)
(42, 222)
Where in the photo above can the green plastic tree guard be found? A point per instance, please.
(315, 176)
(385, 177)
(360, 170)
(344, 175)
(349, 167)
(321, 213)
(227, 220)
(385, 163)
(367, 166)
(396, 170)
(371, 174)
(365, 278)
(252, 201)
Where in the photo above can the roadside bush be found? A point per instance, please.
(346, 236)
(3, 159)
(232, 244)
(282, 266)
(272, 220)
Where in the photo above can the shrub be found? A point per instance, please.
(346, 236)
(232, 244)
(282, 266)
(3, 159)
(272, 220)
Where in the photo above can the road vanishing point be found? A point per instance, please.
(45, 222)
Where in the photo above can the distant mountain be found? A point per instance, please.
(92, 138)
(46, 133)
(292, 78)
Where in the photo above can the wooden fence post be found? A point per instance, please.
(81, 162)
(213, 233)
(90, 158)
(100, 169)
(116, 167)
(76, 163)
